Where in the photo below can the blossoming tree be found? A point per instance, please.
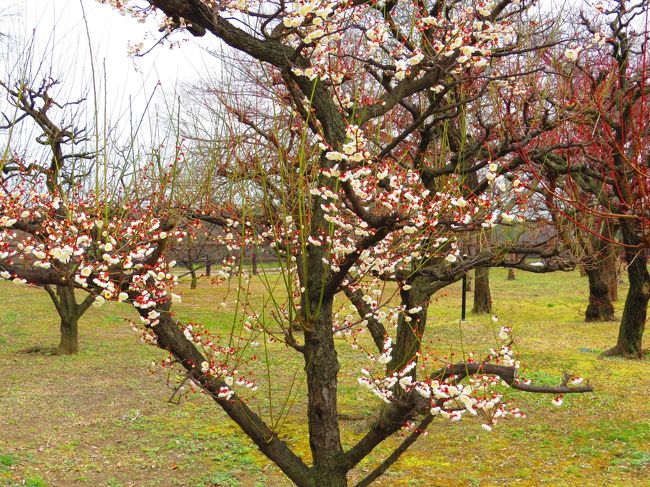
(365, 197)
(67, 167)
(600, 181)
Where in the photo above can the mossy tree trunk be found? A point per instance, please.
(601, 270)
(600, 306)
(630, 335)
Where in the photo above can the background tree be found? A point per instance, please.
(482, 296)
(604, 176)
(67, 167)
(601, 268)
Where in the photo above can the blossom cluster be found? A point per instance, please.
(112, 252)
(482, 396)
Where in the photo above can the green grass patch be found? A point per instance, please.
(103, 417)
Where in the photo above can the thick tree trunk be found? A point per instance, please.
(254, 263)
(411, 324)
(630, 335)
(512, 274)
(611, 273)
(600, 306)
(208, 266)
(69, 344)
(321, 367)
(482, 297)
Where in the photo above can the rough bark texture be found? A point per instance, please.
(611, 273)
(482, 297)
(321, 368)
(69, 344)
(601, 269)
(409, 333)
(600, 306)
(630, 335)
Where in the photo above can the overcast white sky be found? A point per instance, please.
(60, 38)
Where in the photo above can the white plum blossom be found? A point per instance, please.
(572, 54)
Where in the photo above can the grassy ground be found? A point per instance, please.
(102, 418)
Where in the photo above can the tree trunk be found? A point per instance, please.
(482, 297)
(512, 274)
(410, 325)
(69, 311)
(630, 334)
(69, 344)
(600, 305)
(193, 275)
(321, 367)
(208, 266)
(611, 273)
(610, 262)
(254, 262)
(468, 283)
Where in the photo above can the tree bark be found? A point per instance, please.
(611, 273)
(321, 367)
(410, 325)
(512, 274)
(254, 262)
(600, 306)
(630, 335)
(468, 283)
(69, 311)
(69, 344)
(601, 269)
(195, 279)
(482, 297)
